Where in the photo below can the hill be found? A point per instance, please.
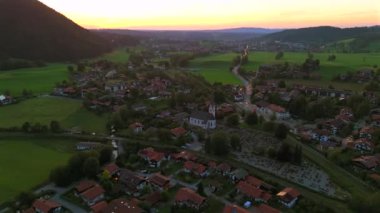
(325, 35)
(31, 30)
(223, 34)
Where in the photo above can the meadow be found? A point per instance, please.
(38, 80)
(69, 112)
(27, 162)
(215, 68)
(344, 61)
(117, 56)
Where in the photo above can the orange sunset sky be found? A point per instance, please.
(217, 14)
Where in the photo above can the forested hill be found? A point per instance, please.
(323, 34)
(31, 30)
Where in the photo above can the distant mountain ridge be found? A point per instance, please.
(323, 34)
(31, 30)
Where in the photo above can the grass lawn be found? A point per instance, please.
(25, 163)
(39, 80)
(215, 68)
(117, 56)
(344, 61)
(68, 112)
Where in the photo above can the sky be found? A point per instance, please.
(217, 14)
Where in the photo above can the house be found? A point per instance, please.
(46, 206)
(345, 114)
(159, 182)
(99, 207)
(153, 157)
(367, 162)
(375, 118)
(288, 196)
(112, 169)
(278, 111)
(113, 87)
(264, 208)
(254, 181)
(184, 156)
(93, 195)
(321, 135)
(204, 120)
(252, 192)
(195, 168)
(122, 205)
(178, 132)
(84, 146)
(131, 182)
(223, 169)
(189, 198)
(238, 175)
(230, 208)
(137, 127)
(363, 145)
(83, 185)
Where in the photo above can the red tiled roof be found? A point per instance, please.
(186, 194)
(178, 132)
(159, 179)
(195, 167)
(224, 167)
(276, 108)
(84, 185)
(368, 162)
(45, 205)
(252, 191)
(136, 125)
(111, 168)
(93, 192)
(288, 194)
(153, 198)
(264, 208)
(254, 181)
(99, 207)
(184, 155)
(151, 154)
(212, 164)
(122, 205)
(234, 209)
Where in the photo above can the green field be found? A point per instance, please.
(68, 112)
(215, 68)
(39, 80)
(25, 163)
(117, 56)
(343, 63)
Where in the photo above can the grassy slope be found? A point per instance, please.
(45, 109)
(215, 68)
(39, 80)
(25, 163)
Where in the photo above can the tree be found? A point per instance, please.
(232, 120)
(26, 127)
(26, 199)
(55, 126)
(105, 155)
(362, 109)
(251, 119)
(235, 142)
(279, 55)
(200, 189)
(91, 167)
(282, 84)
(219, 144)
(219, 97)
(61, 176)
(331, 57)
(281, 132)
(284, 153)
